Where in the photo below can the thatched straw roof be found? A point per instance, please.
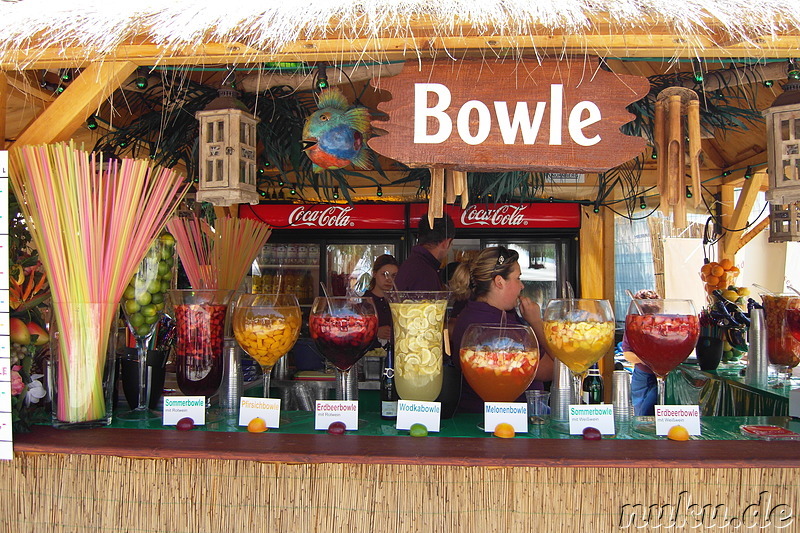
(86, 30)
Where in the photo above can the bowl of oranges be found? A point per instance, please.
(718, 276)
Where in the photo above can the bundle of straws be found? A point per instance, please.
(92, 227)
(218, 257)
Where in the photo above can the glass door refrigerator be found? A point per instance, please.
(544, 234)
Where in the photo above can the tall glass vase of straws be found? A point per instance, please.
(216, 260)
(92, 222)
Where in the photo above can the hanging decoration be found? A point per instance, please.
(334, 135)
(446, 185)
(677, 117)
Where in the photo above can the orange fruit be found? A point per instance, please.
(504, 431)
(734, 271)
(712, 280)
(726, 263)
(257, 425)
(678, 433)
(717, 270)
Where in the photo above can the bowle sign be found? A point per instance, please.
(479, 115)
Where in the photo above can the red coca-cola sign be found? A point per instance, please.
(328, 217)
(511, 216)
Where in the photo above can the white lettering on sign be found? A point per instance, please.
(330, 217)
(503, 215)
(582, 115)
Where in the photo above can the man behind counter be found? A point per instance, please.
(420, 271)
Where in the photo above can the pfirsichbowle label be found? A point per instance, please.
(600, 416)
(668, 416)
(177, 407)
(267, 409)
(413, 412)
(515, 414)
(328, 411)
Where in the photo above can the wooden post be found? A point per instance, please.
(726, 214)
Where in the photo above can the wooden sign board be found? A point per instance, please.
(557, 116)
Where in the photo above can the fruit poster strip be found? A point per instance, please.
(668, 416)
(512, 413)
(177, 407)
(267, 409)
(429, 414)
(6, 433)
(328, 411)
(597, 416)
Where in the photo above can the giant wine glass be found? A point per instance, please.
(662, 333)
(499, 362)
(578, 332)
(143, 306)
(200, 319)
(266, 326)
(342, 328)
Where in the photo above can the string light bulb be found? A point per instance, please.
(642, 203)
(336, 193)
(91, 122)
(769, 83)
(322, 77)
(793, 70)
(748, 173)
(379, 192)
(688, 192)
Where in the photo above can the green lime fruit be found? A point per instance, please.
(131, 306)
(160, 307)
(419, 430)
(154, 286)
(165, 286)
(167, 239)
(143, 330)
(130, 292)
(149, 320)
(170, 261)
(143, 298)
(149, 310)
(157, 298)
(136, 319)
(163, 268)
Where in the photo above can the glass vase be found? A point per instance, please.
(81, 370)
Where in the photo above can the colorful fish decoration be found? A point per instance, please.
(334, 136)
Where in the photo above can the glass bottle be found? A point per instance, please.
(388, 392)
(593, 386)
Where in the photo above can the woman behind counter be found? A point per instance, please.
(491, 284)
(384, 270)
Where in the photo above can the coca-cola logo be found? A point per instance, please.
(503, 215)
(335, 216)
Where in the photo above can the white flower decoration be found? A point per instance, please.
(36, 390)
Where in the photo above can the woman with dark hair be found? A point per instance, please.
(491, 285)
(384, 270)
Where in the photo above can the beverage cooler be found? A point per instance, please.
(332, 244)
(544, 234)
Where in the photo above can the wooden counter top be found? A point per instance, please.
(359, 449)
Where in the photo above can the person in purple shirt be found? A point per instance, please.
(491, 284)
(420, 271)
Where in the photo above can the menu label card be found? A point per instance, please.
(428, 414)
(328, 411)
(668, 416)
(267, 409)
(177, 407)
(599, 416)
(515, 414)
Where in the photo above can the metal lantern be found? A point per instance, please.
(783, 146)
(227, 151)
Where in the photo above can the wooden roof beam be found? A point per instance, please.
(744, 206)
(83, 96)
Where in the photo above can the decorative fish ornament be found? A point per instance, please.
(333, 137)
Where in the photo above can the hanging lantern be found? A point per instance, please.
(784, 222)
(783, 146)
(227, 151)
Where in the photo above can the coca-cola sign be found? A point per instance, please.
(510, 216)
(503, 215)
(335, 216)
(328, 217)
